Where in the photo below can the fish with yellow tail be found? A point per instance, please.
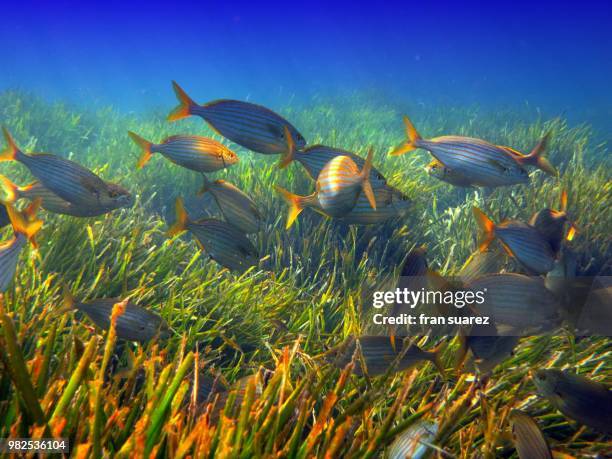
(134, 324)
(577, 397)
(25, 226)
(49, 200)
(197, 153)
(551, 224)
(69, 180)
(250, 125)
(475, 162)
(297, 204)
(520, 240)
(225, 244)
(528, 438)
(238, 208)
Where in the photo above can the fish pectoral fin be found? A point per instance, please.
(499, 166)
(91, 186)
(275, 130)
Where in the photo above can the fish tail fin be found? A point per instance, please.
(436, 359)
(536, 157)
(182, 219)
(412, 137)
(366, 185)
(290, 154)
(26, 222)
(12, 150)
(11, 191)
(186, 103)
(145, 145)
(295, 205)
(486, 226)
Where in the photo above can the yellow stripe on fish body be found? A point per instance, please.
(517, 301)
(225, 244)
(339, 186)
(528, 439)
(68, 179)
(315, 157)
(237, 207)
(250, 125)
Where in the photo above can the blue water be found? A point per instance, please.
(555, 57)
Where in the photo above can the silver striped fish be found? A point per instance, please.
(414, 442)
(69, 180)
(390, 203)
(197, 153)
(135, 324)
(252, 126)
(577, 397)
(340, 183)
(49, 200)
(520, 240)
(438, 170)
(237, 207)
(551, 224)
(478, 162)
(380, 353)
(315, 157)
(225, 244)
(517, 302)
(25, 226)
(528, 439)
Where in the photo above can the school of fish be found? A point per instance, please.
(347, 188)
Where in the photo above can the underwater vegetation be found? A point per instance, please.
(243, 369)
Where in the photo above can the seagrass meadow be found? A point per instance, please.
(260, 335)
